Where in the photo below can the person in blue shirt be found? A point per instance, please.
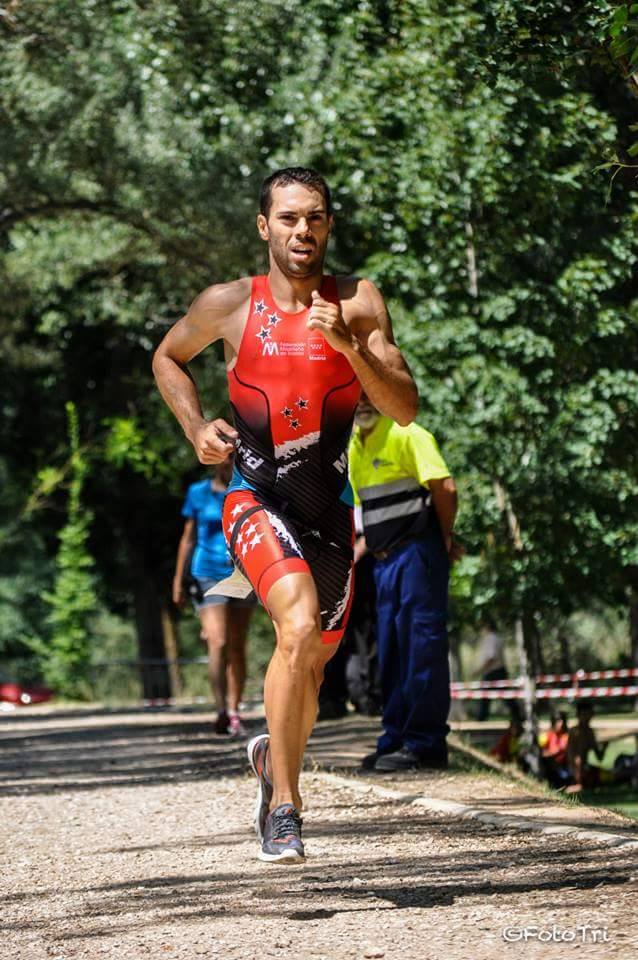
(224, 620)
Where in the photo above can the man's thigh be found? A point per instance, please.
(268, 547)
(263, 544)
(329, 552)
(424, 576)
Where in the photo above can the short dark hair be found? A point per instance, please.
(287, 175)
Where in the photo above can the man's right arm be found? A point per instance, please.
(210, 317)
(444, 498)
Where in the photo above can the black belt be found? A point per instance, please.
(384, 554)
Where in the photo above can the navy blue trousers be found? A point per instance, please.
(412, 599)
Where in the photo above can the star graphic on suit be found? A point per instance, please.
(294, 424)
(251, 529)
(244, 548)
(236, 510)
(274, 319)
(239, 538)
(256, 540)
(260, 307)
(287, 412)
(302, 404)
(264, 334)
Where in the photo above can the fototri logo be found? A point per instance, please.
(316, 348)
(584, 933)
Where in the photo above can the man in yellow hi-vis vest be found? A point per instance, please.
(408, 505)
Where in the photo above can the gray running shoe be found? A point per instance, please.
(257, 750)
(282, 836)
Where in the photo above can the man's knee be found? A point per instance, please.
(300, 641)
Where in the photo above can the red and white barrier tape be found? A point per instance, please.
(547, 678)
(486, 684)
(568, 693)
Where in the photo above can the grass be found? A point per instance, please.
(621, 799)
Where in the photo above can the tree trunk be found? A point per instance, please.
(458, 709)
(538, 660)
(565, 653)
(472, 271)
(633, 621)
(525, 643)
(171, 651)
(150, 638)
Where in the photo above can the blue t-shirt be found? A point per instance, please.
(210, 558)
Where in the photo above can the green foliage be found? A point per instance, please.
(72, 601)
(127, 443)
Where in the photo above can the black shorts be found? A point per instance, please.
(267, 544)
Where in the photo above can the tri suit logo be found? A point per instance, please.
(270, 348)
(316, 348)
(342, 463)
(253, 461)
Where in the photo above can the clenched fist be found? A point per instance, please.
(214, 441)
(328, 318)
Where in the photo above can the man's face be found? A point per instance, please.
(297, 230)
(365, 414)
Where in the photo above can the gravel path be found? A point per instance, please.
(127, 836)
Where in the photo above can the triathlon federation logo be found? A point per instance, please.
(282, 348)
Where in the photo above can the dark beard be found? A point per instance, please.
(298, 272)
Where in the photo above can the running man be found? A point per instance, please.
(299, 346)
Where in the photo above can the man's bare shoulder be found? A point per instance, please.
(358, 290)
(363, 306)
(221, 300)
(359, 295)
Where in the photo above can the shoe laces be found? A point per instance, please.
(286, 823)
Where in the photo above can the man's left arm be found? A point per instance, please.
(368, 344)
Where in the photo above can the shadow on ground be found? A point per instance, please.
(119, 754)
(384, 882)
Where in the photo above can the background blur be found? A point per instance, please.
(482, 157)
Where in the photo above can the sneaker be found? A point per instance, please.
(282, 836)
(406, 759)
(235, 726)
(257, 751)
(222, 723)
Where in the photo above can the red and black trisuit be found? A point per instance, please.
(289, 505)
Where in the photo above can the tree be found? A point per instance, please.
(66, 657)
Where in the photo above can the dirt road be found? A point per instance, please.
(127, 836)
